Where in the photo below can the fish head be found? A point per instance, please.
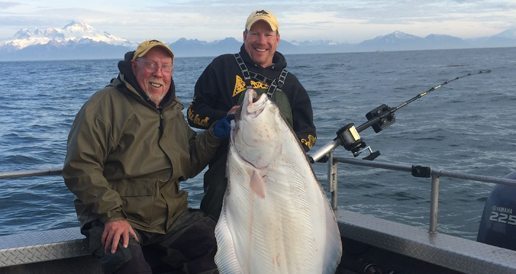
(256, 129)
(253, 104)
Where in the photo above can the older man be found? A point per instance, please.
(223, 83)
(128, 149)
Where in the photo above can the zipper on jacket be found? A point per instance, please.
(161, 119)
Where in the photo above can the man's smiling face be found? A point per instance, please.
(261, 43)
(153, 73)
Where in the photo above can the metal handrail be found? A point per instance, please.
(332, 162)
(53, 171)
(435, 176)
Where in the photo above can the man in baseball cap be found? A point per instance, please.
(261, 37)
(128, 150)
(222, 85)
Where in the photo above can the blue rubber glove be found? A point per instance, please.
(222, 127)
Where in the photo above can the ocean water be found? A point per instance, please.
(467, 126)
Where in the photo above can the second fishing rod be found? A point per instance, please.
(379, 118)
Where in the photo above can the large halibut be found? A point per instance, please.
(275, 217)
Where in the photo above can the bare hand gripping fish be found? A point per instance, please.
(275, 217)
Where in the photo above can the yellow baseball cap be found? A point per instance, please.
(264, 15)
(145, 46)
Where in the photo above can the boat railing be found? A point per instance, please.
(51, 171)
(332, 161)
(416, 171)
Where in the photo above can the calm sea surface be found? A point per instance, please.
(468, 126)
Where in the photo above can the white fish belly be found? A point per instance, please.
(285, 225)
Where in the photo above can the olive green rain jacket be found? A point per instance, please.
(126, 157)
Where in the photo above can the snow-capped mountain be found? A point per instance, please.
(77, 40)
(397, 36)
(74, 32)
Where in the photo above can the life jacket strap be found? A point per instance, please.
(277, 83)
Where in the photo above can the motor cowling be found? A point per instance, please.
(498, 223)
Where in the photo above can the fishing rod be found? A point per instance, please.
(379, 118)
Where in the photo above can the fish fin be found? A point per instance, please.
(258, 184)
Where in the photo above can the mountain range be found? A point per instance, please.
(78, 40)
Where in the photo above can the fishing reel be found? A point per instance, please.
(351, 141)
(382, 117)
(378, 118)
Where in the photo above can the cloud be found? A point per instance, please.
(6, 5)
(337, 20)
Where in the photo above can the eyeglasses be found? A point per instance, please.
(153, 66)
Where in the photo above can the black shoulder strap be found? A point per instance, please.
(244, 70)
(275, 84)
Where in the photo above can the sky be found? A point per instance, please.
(341, 21)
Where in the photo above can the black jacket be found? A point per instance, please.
(219, 86)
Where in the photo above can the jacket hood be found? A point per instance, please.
(127, 77)
(278, 60)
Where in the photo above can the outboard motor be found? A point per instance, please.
(498, 223)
